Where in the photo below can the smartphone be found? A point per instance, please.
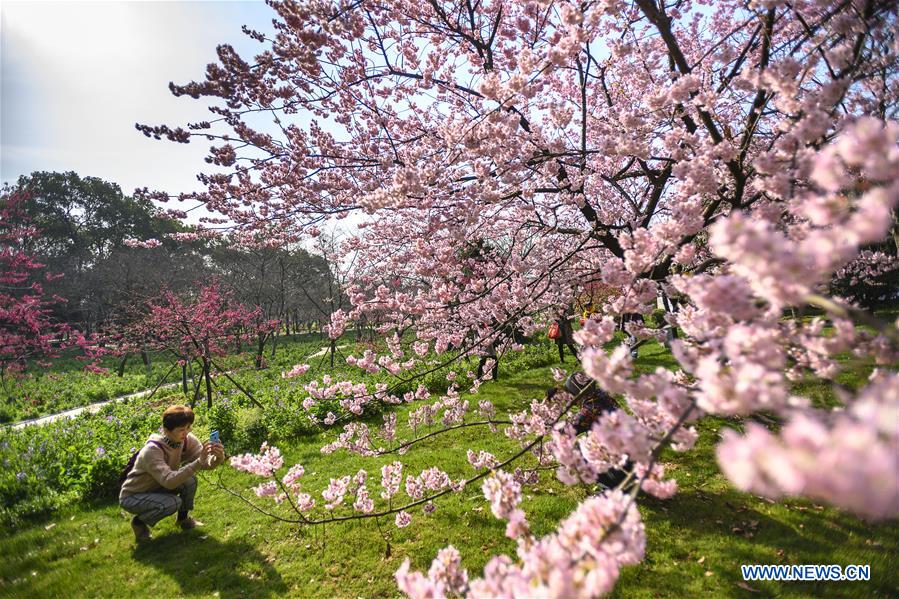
(214, 437)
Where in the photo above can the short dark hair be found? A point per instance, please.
(175, 416)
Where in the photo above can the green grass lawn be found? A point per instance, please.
(65, 384)
(697, 540)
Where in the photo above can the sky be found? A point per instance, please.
(76, 76)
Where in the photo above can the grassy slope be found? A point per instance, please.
(65, 384)
(696, 541)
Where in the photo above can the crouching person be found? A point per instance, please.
(594, 403)
(163, 478)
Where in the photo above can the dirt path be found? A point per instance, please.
(91, 408)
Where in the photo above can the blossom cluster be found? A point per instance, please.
(297, 370)
(861, 444)
(269, 460)
(582, 558)
(265, 463)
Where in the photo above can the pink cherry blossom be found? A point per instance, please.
(510, 162)
(403, 519)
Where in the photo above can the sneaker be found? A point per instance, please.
(188, 523)
(141, 530)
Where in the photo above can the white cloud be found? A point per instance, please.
(78, 75)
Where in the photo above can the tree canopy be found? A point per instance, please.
(731, 155)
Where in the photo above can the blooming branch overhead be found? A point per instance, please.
(505, 158)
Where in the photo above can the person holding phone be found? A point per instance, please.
(163, 479)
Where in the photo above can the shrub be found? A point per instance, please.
(656, 319)
(45, 467)
(251, 430)
(223, 418)
(286, 421)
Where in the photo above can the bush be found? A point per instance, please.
(45, 467)
(286, 421)
(222, 417)
(656, 319)
(251, 431)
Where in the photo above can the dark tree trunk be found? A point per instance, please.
(145, 357)
(260, 349)
(206, 365)
(494, 370)
(208, 383)
(196, 395)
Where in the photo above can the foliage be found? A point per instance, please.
(656, 319)
(27, 330)
(48, 466)
(84, 223)
(222, 417)
(692, 546)
(287, 284)
(731, 157)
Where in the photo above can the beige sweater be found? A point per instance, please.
(158, 468)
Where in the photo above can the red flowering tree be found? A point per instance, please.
(27, 330)
(198, 330)
(729, 155)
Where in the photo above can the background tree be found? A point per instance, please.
(872, 279)
(27, 329)
(85, 223)
(198, 328)
(277, 280)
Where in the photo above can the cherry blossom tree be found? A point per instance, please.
(196, 329)
(27, 330)
(871, 279)
(731, 155)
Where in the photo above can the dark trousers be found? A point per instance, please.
(153, 507)
(571, 348)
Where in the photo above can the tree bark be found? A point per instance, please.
(208, 383)
(145, 357)
(260, 350)
(206, 373)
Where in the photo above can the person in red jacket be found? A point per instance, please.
(565, 337)
(163, 479)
